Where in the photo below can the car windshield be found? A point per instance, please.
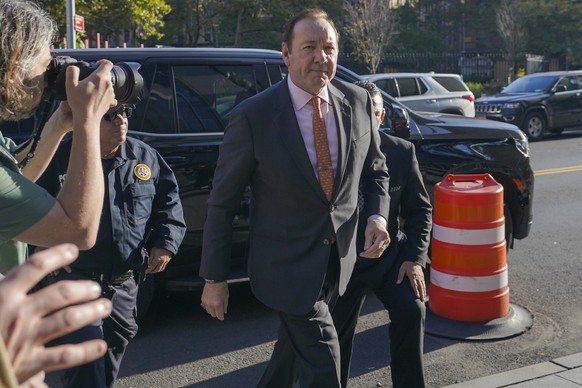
(538, 84)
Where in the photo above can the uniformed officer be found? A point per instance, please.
(142, 217)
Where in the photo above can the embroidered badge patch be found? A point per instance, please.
(142, 172)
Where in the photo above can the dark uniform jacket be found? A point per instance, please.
(142, 203)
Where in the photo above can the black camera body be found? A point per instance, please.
(126, 80)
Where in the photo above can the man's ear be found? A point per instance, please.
(285, 53)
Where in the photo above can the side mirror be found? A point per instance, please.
(399, 121)
(560, 88)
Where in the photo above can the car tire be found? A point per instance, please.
(534, 126)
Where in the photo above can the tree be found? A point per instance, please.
(554, 28)
(511, 28)
(370, 28)
(139, 19)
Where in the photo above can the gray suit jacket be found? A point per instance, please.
(291, 222)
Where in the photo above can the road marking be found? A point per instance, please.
(558, 170)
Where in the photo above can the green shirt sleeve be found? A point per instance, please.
(22, 204)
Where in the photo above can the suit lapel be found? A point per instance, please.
(343, 117)
(284, 117)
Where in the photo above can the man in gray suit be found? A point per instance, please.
(304, 211)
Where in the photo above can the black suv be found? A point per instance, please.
(537, 103)
(189, 94)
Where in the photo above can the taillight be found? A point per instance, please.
(469, 97)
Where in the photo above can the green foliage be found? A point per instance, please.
(420, 33)
(478, 88)
(112, 18)
(423, 26)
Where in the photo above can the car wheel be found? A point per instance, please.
(534, 126)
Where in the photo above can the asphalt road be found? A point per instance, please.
(180, 346)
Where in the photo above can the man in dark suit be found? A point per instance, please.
(397, 278)
(304, 145)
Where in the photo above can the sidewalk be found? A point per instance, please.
(563, 372)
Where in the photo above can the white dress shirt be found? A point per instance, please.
(304, 112)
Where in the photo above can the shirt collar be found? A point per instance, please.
(300, 97)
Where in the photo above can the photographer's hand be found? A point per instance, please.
(29, 321)
(91, 97)
(57, 126)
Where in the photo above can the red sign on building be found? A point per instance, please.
(79, 23)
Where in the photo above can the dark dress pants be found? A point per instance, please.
(406, 329)
(116, 330)
(307, 349)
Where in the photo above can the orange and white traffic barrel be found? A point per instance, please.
(468, 274)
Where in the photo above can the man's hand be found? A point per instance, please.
(215, 299)
(159, 259)
(416, 277)
(90, 98)
(377, 239)
(29, 321)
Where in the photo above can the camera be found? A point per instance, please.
(126, 80)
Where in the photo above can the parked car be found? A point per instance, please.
(189, 94)
(476, 68)
(428, 92)
(537, 103)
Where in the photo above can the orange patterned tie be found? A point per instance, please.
(324, 167)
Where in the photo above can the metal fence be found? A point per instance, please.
(490, 68)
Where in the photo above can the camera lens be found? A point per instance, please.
(127, 82)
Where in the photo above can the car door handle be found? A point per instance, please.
(431, 101)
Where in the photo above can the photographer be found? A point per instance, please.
(28, 214)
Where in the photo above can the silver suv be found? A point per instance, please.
(429, 92)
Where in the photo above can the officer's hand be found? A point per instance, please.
(158, 260)
(414, 273)
(215, 299)
(377, 239)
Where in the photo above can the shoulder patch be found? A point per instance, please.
(142, 172)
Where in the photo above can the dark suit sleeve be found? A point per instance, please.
(416, 213)
(374, 183)
(233, 173)
(167, 217)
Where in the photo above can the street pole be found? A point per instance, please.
(71, 38)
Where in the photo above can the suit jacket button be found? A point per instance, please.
(326, 241)
(332, 208)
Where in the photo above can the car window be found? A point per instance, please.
(536, 84)
(408, 87)
(158, 110)
(205, 95)
(452, 84)
(572, 82)
(388, 85)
